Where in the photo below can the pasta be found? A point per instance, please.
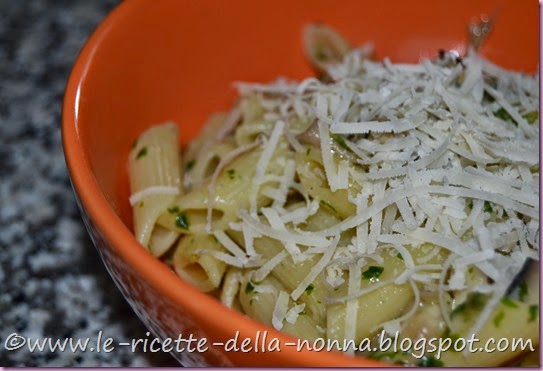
(379, 199)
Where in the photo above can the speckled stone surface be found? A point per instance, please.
(52, 282)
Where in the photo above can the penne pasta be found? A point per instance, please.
(155, 177)
(194, 261)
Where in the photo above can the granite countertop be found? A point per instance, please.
(52, 282)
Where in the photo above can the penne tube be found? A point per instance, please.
(155, 177)
(194, 262)
(259, 302)
(312, 177)
(162, 240)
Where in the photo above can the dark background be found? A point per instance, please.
(52, 282)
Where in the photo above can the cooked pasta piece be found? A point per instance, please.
(155, 180)
(195, 260)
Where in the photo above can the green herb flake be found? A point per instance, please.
(429, 361)
(470, 205)
(231, 173)
(504, 115)
(249, 288)
(340, 141)
(447, 334)
(182, 221)
(488, 207)
(508, 302)
(309, 289)
(399, 256)
(499, 318)
(373, 272)
(475, 301)
(142, 152)
(458, 310)
(173, 210)
(532, 117)
(190, 165)
(324, 203)
(534, 312)
(523, 290)
(308, 151)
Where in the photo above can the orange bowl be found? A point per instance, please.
(152, 61)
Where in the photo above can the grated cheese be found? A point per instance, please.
(151, 191)
(431, 154)
(280, 310)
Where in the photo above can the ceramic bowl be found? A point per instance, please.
(152, 61)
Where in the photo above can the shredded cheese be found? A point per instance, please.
(154, 190)
(439, 154)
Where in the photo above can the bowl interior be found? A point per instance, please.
(152, 61)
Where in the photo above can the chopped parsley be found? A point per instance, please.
(447, 334)
(231, 173)
(474, 301)
(373, 272)
(173, 210)
(534, 312)
(523, 290)
(488, 207)
(309, 289)
(142, 152)
(508, 302)
(532, 117)
(499, 318)
(504, 115)
(182, 221)
(190, 165)
(249, 288)
(399, 256)
(340, 141)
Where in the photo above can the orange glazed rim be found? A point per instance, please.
(123, 243)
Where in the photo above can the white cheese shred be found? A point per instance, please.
(280, 310)
(440, 160)
(151, 191)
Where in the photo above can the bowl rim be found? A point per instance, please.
(93, 203)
